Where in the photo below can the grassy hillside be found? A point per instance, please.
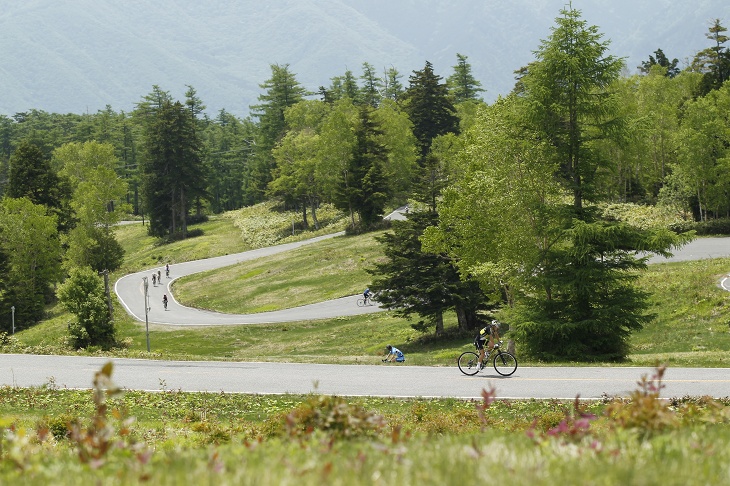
(691, 326)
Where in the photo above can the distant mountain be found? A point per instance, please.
(81, 55)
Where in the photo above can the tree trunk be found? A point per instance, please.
(183, 214)
(466, 319)
(313, 201)
(439, 321)
(305, 221)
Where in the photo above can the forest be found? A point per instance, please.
(535, 206)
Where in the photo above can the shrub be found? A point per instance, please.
(333, 416)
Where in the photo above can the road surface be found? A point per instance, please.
(130, 288)
(347, 380)
(389, 380)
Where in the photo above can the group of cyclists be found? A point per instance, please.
(157, 279)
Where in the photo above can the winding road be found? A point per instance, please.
(130, 290)
(346, 380)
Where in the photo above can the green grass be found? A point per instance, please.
(328, 270)
(173, 437)
(691, 326)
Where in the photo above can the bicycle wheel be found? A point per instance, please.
(360, 302)
(504, 363)
(469, 363)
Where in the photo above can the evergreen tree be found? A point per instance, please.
(660, 60)
(372, 85)
(392, 87)
(32, 176)
(282, 90)
(590, 304)
(462, 84)
(172, 170)
(567, 274)
(364, 188)
(429, 108)
(413, 281)
(713, 62)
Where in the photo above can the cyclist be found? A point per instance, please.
(394, 354)
(490, 333)
(368, 294)
(167, 270)
(164, 301)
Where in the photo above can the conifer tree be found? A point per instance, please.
(429, 108)
(282, 90)
(172, 169)
(32, 176)
(414, 281)
(462, 84)
(372, 85)
(364, 189)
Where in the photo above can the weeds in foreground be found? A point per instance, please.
(326, 435)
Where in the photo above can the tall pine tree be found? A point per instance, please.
(172, 169)
(429, 107)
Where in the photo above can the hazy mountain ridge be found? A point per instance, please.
(81, 55)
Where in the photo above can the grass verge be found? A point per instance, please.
(102, 436)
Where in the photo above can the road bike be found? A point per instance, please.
(504, 363)
(362, 302)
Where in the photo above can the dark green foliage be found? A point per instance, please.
(590, 305)
(83, 295)
(412, 281)
(230, 147)
(364, 189)
(172, 170)
(660, 60)
(32, 176)
(713, 62)
(429, 108)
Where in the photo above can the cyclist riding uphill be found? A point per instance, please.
(394, 354)
(490, 333)
(367, 294)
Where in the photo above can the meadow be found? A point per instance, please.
(51, 435)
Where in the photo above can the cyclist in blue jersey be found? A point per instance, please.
(394, 354)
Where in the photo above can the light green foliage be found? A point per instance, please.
(29, 237)
(400, 145)
(463, 86)
(90, 167)
(498, 215)
(337, 140)
(703, 160)
(97, 198)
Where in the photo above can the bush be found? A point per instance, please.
(704, 228)
(83, 295)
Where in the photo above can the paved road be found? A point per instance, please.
(356, 380)
(347, 380)
(130, 290)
